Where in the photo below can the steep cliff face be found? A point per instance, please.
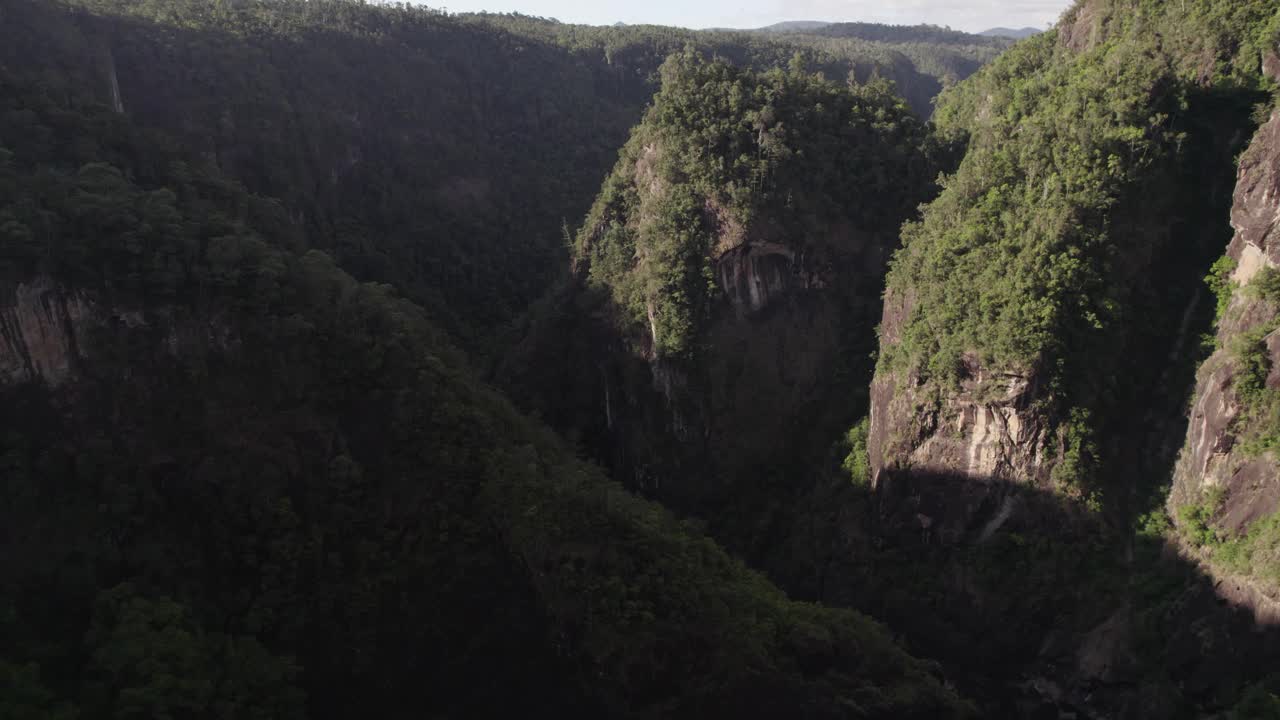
(1226, 485)
(1031, 318)
(727, 282)
(50, 332)
(941, 461)
(1037, 344)
(42, 331)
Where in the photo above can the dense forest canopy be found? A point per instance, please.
(442, 153)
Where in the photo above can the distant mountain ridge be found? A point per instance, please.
(923, 33)
(1005, 32)
(886, 33)
(796, 26)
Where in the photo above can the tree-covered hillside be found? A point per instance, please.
(919, 60)
(241, 484)
(1066, 248)
(443, 154)
(1038, 348)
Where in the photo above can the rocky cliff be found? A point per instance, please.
(42, 331)
(943, 464)
(1037, 348)
(1226, 486)
(726, 285)
(51, 332)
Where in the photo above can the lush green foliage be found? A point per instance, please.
(727, 157)
(856, 462)
(1257, 426)
(1077, 141)
(1196, 519)
(1257, 430)
(1220, 283)
(1256, 553)
(1006, 263)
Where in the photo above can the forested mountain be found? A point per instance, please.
(795, 26)
(920, 61)
(241, 483)
(363, 359)
(946, 54)
(931, 34)
(1039, 342)
(442, 154)
(726, 284)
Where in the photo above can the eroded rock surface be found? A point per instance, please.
(43, 329)
(1212, 456)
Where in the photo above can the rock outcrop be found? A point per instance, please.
(50, 333)
(1215, 462)
(726, 286)
(942, 463)
(43, 329)
(752, 275)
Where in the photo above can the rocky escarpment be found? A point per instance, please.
(1032, 330)
(50, 333)
(725, 291)
(784, 316)
(1030, 395)
(42, 331)
(943, 466)
(753, 274)
(1227, 480)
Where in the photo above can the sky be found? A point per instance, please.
(968, 15)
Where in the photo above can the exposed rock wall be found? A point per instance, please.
(43, 331)
(1212, 456)
(941, 464)
(774, 368)
(1014, 489)
(50, 333)
(761, 385)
